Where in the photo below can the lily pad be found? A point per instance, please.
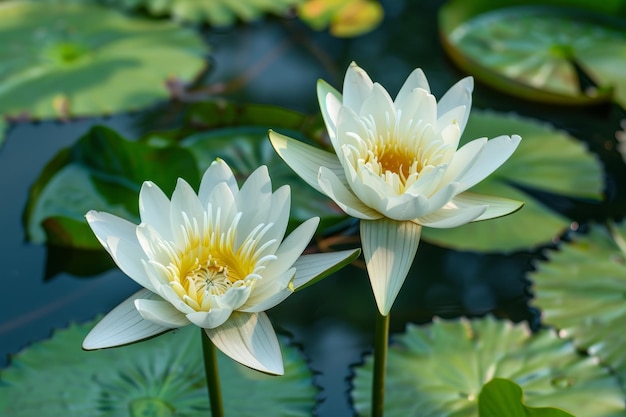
(440, 369)
(546, 160)
(503, 398)
(580, 290)
(65, 59)
(161, 377)
(344, 18)
(213, 12)
(102, 171)
(539, 51)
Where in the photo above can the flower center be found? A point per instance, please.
(210, 263)
(398, 161)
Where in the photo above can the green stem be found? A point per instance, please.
(381, 341)
(212, 376)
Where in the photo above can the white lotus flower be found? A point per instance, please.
(396, 167)
(217, 260)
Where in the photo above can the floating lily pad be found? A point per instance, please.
(64, 59)
(344, 18)
(161, 377)
(213, 12)
(546, 160)
(440, 369)
(102, 171)
(539, 51)
(504, 398)
(580, 291)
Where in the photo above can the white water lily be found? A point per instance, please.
(216, 259)
(397, 166)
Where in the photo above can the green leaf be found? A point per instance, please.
(65, 59)
(345, 18)
(160, 377)
(580, 290)
(503, 398)
(102, 171)
(439, 370)
(214, 12)
(546, 160)
(572, 56)
(245, 149)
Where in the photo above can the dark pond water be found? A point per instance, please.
(332, 319)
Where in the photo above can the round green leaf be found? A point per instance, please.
(503, 398)
(63, 59)
(546, 160)
(540, 52)
(580, 290)
(162, 377)
(214, 12)
(440, 369)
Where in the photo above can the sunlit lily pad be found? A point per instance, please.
(344, 18)
(539, 51)
(440, 369)
(213, 12)
(161, 377)
(64, 59)
(546, 160)
(504, 398)
(580, 290)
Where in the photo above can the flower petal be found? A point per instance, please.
(269, 292)
(314, 267)
(215, 317)
(304, 159)
(389, 248)
(495, 152)
(446, 218)
(234, 297)
(123, 325)
(250, 340)
(416, 79)
(154, 209)
(460, 94)
(415, 109)
(378, 107)
(185, 206)
(218, 172)
(291, 248)
(344, 198)
(118, 238)
(330, 101)
(357, 86)
(161, 312)
(497, 206)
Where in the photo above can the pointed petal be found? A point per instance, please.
(330, 101)
(389, 248)
(304, 159)
(446, 218)
(253, 202)
(161, 312)
(154, 209)
(497, 206)
(463, 159)
(291, 248)
(357, 86)
(493, 154)
(460, 94)
(344, 198)
(416, 79)
(250, 340)
(314, 267)
(269, 292)
(184, 205)
(218, 172)
(104, 225)
(123, 325)
(215, 317)
(379, 107)
(234, 297)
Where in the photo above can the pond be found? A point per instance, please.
(277, 62)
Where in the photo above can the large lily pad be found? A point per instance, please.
(161, 377)
(439, 370)
(546, 160)
(63, 59)
(580, 290)
(213, 12)
(539, 51)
